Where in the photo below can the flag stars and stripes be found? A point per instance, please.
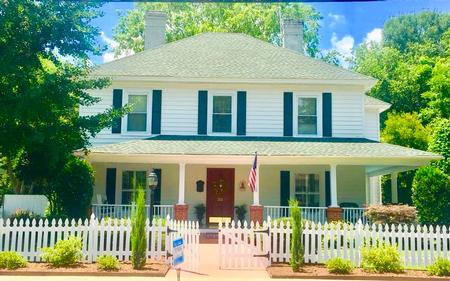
(252, 175)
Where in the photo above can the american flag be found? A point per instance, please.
(252, 176)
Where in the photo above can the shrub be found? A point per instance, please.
(431, 195)
(200, 212)
(339, 266)
(24, 215)
(108, 263)
(441, 267)
(138, 233)
(11, 260)
(391, 214)
(64, 252)
(440, 143)
(241, 211)
(297, 250)
(380, 259)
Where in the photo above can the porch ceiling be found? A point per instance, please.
(274, 150)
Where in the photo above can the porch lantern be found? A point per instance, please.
(152, 182)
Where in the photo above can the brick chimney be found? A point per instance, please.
(155, 29)
(292, 35)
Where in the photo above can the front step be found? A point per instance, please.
(209, 236)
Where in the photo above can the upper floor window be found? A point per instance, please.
(307, 116)
(131, 180)
(307, 189)
(222, 114)
(137, 118)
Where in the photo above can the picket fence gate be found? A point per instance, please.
(418, 246)
(99, 237)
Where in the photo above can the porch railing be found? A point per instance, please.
(315, 214)
(352, 215)
(119, 211)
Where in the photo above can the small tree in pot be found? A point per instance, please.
(241, 211)
(200, 212)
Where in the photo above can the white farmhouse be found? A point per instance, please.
(201, 108)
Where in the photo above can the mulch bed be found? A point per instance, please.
(151, 269)
(320, 272)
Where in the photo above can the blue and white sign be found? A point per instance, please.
(178, 247)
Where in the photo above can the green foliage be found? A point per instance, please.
(241, 211)
(339, 266)
(70, 196)
(391, 214)
(138, 233)
(431, 195)
(12, 260)
(405, 129)
(381, 259)
(108, 263)
(200, 212)
(187, 19)
(441, 267)
(297, 250)
(64, 253)
(20, 214)
(440, 143)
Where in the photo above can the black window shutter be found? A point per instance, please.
(156, 200)
(111, 185)
(241, 113)
(284, 188)
(116, 127)
(288, 114)
(327, 130)
(202, 112)
(327, 188)
(156, 112)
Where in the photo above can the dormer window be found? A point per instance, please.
(307, 116)
(222, 114)
(137, 118)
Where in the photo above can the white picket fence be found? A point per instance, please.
(104, 237)
(418, 245)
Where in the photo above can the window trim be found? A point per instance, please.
(318, 97)
(141, 92)
(122, 190)
(318, 193)
(211, 95)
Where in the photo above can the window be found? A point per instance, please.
(307, 116)
(222, 114)
(131, 180)
(137, 118)
(307, 189)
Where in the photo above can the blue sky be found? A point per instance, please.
(344, 25)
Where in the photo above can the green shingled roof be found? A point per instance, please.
(225, 55)
(265, 146)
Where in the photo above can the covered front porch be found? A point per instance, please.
(336, 186)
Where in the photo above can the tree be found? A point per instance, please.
(297, 249)
(431, 195)
(138, 233)
(440, 143)
(260, 20)
(44, 47)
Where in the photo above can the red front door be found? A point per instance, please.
(219, 193)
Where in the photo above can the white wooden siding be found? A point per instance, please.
(347, 111)
(372, 124)
(179, 114)
(264, 113)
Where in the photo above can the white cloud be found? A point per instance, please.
(112, 44)
(336, 19)
(344, 46)
(375, 36)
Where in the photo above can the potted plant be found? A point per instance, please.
(241, 211)
(200, 212)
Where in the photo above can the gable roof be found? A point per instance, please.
(371, 102)
(226, 56)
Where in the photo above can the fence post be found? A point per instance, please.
(92, 238)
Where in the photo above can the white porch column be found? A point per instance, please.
(333, 186)
(367, 190)
(256, 193)
(394, 191)
(181, 179)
